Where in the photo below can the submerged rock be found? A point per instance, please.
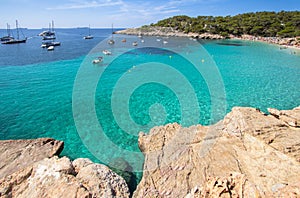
(248, 154)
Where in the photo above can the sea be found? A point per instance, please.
(98, 110)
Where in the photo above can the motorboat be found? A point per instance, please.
(111, 42)
(135, 43)
(106, 52)
(88, 37)
(50, 43)
(98, 60)
(50, 48)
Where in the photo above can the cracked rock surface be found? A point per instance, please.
(18, 154)
(30, 168)
(247, 154)
(59, 177)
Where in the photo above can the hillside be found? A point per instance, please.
(266, 24)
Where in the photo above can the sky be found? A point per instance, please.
(124, 13)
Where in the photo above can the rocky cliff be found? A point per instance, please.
(248, 154)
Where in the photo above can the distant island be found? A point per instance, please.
(273, 27)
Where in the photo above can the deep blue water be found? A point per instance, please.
(98, 110)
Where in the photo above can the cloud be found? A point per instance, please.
(87, 4)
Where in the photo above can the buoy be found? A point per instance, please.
(170, 57)
(202, 60)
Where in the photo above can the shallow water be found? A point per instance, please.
(98, 110)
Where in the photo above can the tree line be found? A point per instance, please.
(266, 24)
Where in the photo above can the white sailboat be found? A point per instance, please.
(88, 36)
(111, 41)
(50, 34)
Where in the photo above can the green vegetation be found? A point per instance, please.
(267, 24)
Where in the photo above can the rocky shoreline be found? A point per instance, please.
(168, 31)
(247, 154)
(284, 42)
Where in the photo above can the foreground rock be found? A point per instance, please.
(30, 168)
(248, 154)
(18, 154)
(166, 31)
(59, 177)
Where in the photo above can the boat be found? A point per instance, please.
(106, 52)
(49, 37)
(50, 48)
(88, 36)
(142, 41)
(111, 41)
(8, 37)
(50, 34)
(18, 40)
(135, 43)
(165, 42)
(50, 43)
(46, 33)
(124, 40)
(98, 60)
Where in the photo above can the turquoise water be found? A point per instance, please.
(136, 89)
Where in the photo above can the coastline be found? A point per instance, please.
(249, 157)
(292, 43)
(166, 32)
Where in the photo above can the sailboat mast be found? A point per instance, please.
(89, 30)
(17, 29)
(8, 29)
(52, 26)
(112, 31)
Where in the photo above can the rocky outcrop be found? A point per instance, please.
(166, 32)
(248, 154)
(59, 177)
(291, 117)
(30, 168)
(18, 154)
